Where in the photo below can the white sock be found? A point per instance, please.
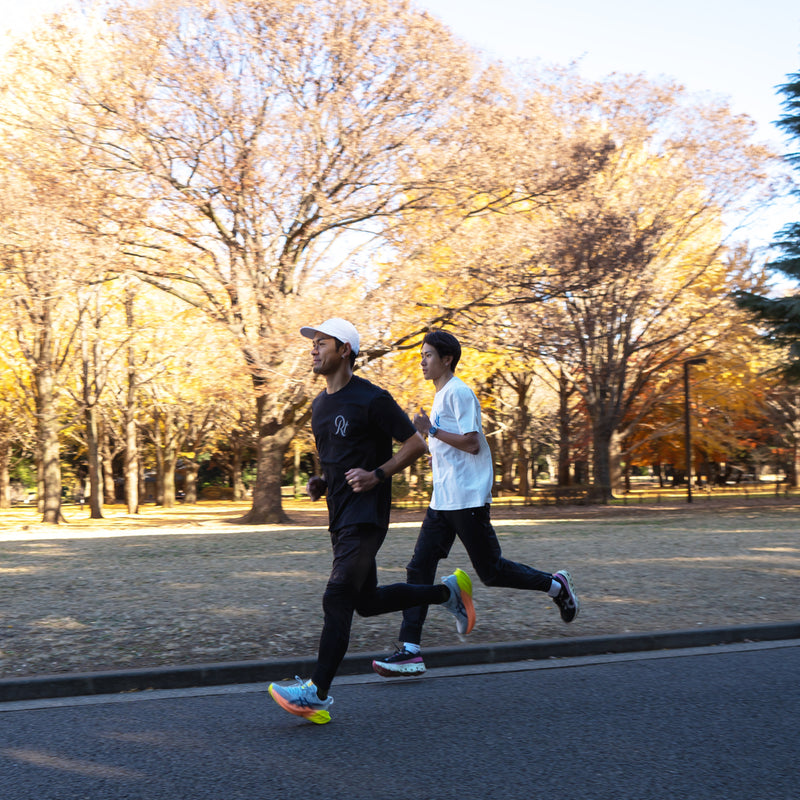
(555, 588)
(412, 648)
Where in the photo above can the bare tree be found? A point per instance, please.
(648, 234)
(260, 145)
(39, 272)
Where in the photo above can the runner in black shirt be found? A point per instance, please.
(354, 424)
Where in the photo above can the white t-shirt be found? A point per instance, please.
(460, 480)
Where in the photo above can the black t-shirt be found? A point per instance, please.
(354, 427)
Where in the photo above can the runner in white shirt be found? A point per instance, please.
(463, 475)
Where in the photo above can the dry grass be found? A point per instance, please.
(187, 585)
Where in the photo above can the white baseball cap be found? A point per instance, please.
(337, 327)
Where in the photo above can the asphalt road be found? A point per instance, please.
(706, 723)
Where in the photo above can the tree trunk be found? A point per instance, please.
(794, 444)
(419, 472)
(564, 457)
(521, 434)
(267, 507)
(49, 452)
(141, 479)
(107, 467)
(237, 459)
(166, 442)
(489, 429)
(5, 477)
(523, 469)
(602, 436)
(190, 481)
(296, 478)
(39, 481)
(506, 453)
(93, 456)
(167, 479)
(159, 487)
(131, 467)
(795, 472)
(615, 463)
(91, 382)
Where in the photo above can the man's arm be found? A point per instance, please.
(468, 442)
(362, 480)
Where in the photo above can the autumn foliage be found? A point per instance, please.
(184, 185)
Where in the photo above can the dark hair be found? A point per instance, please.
(445, 344)
(340, 343)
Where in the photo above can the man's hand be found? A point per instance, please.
(361, 480)
(422, 422)
(316, 487)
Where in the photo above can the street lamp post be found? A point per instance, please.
(687, 423)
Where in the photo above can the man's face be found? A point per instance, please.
(325, 356)
(433, 367)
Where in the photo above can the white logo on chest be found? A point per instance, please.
(341, 425)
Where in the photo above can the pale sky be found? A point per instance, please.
(739, 50)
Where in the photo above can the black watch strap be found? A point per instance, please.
(380, 475)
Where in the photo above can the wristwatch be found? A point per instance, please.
(380, 475)
(432, 431)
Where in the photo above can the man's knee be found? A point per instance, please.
(489, 575)
(337, 595)
(414, 573)
(365, 607)
(422, 566)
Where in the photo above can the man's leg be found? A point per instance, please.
(433, 544)
(480, 540)
(411, 595)
(354, 551)
(435, 539)
(475, 530)
(353, 586)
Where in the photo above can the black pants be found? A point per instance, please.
(353, 587)
(474, 527)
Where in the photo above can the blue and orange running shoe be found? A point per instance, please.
(301, 699)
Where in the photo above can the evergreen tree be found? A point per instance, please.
(781, 315)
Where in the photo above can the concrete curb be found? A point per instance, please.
(183, 677)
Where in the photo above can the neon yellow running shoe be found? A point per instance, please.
(460, 603)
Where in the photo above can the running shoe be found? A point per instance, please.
(460, 603)
(399, 664)
(566, 600)
(301, 699)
